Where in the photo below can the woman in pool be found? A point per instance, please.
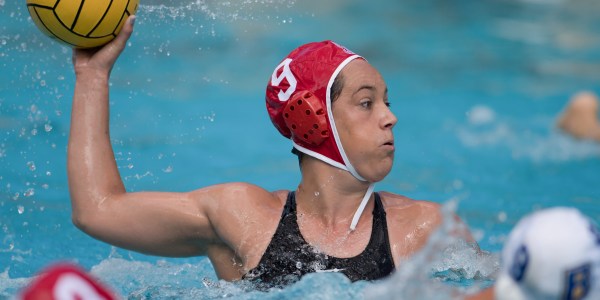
(246, 231)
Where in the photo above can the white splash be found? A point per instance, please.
(525, 141)
(444, 259)
(10, 286)
(216, 10)
(481, 114)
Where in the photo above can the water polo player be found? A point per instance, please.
(333, 105)
(552, 253)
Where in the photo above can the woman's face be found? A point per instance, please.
(364, 121)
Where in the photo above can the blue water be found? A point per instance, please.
(476, 86)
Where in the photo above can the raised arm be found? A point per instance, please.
(101, 206)
(168, 224)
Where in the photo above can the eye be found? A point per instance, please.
(366, 103)
(388, 104)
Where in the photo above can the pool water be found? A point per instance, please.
(476, 87)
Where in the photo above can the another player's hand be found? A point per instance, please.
(102, 59)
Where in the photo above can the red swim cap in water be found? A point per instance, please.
(65, 281)
(299, 100)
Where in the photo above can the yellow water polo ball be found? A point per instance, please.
(81, 23)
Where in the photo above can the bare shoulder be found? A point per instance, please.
(425, 210)
(410, 222)
(238, 196)
(232, 206)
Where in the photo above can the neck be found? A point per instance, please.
(329, 194)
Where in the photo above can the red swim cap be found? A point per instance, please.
(299, 100)
(65, 281)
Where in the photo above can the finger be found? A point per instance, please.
(126, 32)
(116, 46)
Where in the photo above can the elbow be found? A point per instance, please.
(87, 212)
(80, 221)
(84, 221)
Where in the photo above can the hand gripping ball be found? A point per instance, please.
(81, 23)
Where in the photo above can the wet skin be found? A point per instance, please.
(233, 223)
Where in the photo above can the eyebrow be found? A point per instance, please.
(369, 87)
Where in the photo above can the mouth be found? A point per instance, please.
(389, 144)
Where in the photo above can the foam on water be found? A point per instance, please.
(167, 280)
(10, 286)
(222, 10)
(448, 267)
(535, 143)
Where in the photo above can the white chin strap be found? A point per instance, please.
(348, 167)
(361, 207)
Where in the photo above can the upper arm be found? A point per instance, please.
(167, 224)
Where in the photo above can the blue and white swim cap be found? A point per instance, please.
(551, 254)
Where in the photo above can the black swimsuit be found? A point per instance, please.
(288, 257)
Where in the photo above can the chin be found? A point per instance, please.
(379, 175)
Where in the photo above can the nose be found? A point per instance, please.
(388, 119)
